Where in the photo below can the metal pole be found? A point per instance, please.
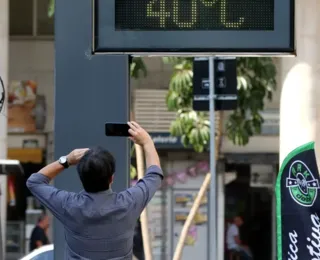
(212, 201)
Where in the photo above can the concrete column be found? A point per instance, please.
(4, 43)
(4, 38)
(89, 91)
(299, 109)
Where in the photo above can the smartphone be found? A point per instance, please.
(117, 129)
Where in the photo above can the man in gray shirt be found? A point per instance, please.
(99, 223)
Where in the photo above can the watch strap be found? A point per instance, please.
(64, 162)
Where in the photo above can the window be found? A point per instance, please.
(21, 17)
(30, 18)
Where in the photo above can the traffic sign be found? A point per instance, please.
(225, 75)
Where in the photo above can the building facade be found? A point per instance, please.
(31, 57)
(246, 174)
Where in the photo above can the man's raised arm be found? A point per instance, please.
(151, 154)
(146, 187)
(49, 196)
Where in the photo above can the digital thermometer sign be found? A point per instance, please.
(194, 15)
(210, 27)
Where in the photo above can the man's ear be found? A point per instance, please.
(111, 179)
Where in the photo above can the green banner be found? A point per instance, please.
(298, 206)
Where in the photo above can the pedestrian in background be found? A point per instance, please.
(39, 233)
(234, 242)
(98, 223)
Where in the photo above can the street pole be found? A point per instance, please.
(212, 238)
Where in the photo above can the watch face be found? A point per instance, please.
(63, 159)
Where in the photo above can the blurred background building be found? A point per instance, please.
(246, 174)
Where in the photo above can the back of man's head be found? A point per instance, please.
(96, 169)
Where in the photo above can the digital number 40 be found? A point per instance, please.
(163, 14)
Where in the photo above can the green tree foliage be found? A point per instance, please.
(51, 8)
(256, 83)
(137, 68)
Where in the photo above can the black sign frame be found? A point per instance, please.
(226, 97)
(107, 40)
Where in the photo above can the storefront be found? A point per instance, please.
(245, 188)
(30, 149)
(12, 206)
(251, 196)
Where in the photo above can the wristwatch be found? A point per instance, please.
(64, 161)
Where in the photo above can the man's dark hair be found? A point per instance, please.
(95, 169)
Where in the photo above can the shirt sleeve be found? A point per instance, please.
(146, 187)
(49, 196)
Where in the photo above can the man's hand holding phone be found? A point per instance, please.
(138, 135)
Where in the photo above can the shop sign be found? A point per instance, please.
(166, 141)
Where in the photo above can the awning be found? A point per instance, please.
(26, 155)
(10, 166)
